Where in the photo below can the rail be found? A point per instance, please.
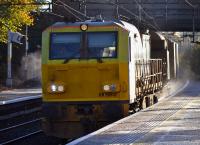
(22, 137)
(20, 120)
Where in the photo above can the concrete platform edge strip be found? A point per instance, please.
(20, 99)
(126, 118)
(176, 92)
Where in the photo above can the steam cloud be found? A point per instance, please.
(31, 68)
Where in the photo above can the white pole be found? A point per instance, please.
(175, 60)
(168, 66)
(9, 59)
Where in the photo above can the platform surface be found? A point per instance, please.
(17, 95)
(175, 120)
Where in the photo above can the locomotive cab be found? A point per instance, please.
(85, 76)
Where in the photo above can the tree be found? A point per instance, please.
(14, 14)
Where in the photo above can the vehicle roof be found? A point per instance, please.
(125, 25)
(130, 27)
(91, 23)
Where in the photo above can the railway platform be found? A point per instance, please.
(19, 95)
(174, 120)
(20, 114)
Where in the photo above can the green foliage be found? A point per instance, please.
(14, 16)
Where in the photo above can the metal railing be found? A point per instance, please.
(149, 76)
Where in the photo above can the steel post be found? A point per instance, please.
(9, 81)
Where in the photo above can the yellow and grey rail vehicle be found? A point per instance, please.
(94, 73)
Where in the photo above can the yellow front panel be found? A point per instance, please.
(84, 82)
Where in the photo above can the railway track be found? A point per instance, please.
(20, 131)
(20, 123)
(20, 120)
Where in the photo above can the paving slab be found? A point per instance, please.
(175, 120)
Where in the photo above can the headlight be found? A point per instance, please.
(56, 88)
(106, 87)
(113, 87)
(110, 88)
(60, 88)
(84, 27)
(53, 88)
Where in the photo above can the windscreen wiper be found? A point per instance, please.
(72, 56)
(66, 60)
(99, 60)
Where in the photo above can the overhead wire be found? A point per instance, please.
(72, 9)
(150, 17)
(69, 11)
(189, 3)
(133, 14)
(156, 27)
(130, 12)
(61, 16)
(52, 13)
